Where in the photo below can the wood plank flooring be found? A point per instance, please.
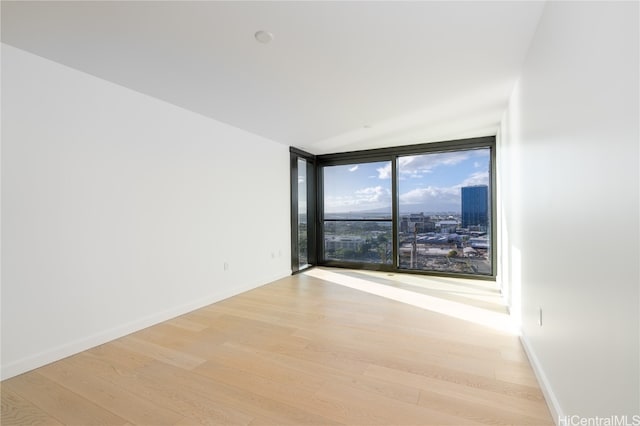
(307, 349)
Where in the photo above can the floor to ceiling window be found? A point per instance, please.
(302, 216)
(303, 210)
(444, 212)
(357, 213)
(420, 208)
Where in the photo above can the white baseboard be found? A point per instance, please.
(545, 386)
(71, 348)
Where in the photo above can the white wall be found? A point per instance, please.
(119, 211)
(568, 158)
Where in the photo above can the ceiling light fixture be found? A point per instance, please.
(263, 37)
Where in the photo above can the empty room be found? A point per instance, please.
(320, 212)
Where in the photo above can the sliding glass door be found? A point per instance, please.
(445, 212)
(357, 213)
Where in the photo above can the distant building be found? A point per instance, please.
(343, 242)
(479, 243)
(416, 222)
(475, 206)
(447, 226)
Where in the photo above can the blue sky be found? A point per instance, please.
(428, 183)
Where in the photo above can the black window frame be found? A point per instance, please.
(321, 164)
(392, 154)
(294, 155)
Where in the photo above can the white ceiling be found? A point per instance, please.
(413, 71)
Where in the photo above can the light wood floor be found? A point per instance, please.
(307, 349)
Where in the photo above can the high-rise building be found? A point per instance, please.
(475, 206)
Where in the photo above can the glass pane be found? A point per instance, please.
(356, 198)
(359, 241)
(303, 244)
(444, 222)
(358, 191)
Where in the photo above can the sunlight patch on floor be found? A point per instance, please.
(475, 290)
(497, 321)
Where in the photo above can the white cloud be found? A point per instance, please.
(354, 168)
(430, 193)
(370, 198)
(373, 194)
(416, 166)
(420, 164)
(384, 172)
(477, 178)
